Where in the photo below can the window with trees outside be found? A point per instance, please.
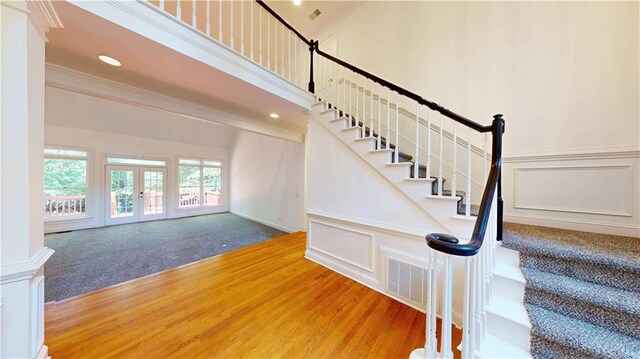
(65, 183)
(200, 183)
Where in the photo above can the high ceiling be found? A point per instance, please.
(153, 67)
(298, 16)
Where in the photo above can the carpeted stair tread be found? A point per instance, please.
(613, 308)
(621, 253)
(576, 338)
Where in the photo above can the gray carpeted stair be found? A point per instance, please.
(582, 291)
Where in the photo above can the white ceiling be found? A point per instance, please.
(298, 16)
(153, 67)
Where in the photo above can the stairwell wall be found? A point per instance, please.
(565, 75)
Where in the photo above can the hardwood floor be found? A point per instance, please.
(261, 301)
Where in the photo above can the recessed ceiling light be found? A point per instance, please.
(274, 115)
(297, 2)
(109, 60)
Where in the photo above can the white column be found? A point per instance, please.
(23, 25)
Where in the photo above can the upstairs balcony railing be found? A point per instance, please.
(443, 145)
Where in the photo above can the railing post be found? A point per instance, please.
(498, 130)
(312, 85)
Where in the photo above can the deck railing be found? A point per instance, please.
(64, 206)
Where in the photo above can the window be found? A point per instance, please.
(65, 183)
(200, 183)
(135, 161)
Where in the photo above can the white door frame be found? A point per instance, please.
(137, 214)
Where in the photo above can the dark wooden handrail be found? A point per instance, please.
(449, 244)
(275, 14)
(432, 105)
(441, 242)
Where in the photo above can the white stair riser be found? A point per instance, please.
(338, 125)
(508, 288)
(363, 146)
(508, 256)
(396, 173)
(379, 159)
(509, 330)
(349, 135)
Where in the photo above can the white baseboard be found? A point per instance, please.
(266, 223)
(577, 225)
(43, 353)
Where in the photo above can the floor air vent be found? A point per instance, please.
(407, 281)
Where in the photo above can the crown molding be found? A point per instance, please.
(44, 16)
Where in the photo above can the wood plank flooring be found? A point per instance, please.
(261, 301)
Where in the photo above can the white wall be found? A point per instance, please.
(267, 180)
(357, 217)
(564, 74)
(99, 125)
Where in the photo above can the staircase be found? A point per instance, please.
(582, 291)
(544, 293)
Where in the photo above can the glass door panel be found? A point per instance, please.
(122, 184)
(152, 194)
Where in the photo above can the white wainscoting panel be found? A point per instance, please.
(601, 189)
(345, 244)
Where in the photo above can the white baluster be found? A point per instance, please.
(296, 75)
(260, 38)
(429, 145)
(251, 5)
(454, 175)
(432, 339)
(416, 162)
(275, 46)
(371, 126)
(468, 194)
(282, 50)
(208, 4)
(194, 21)
(379, 145)
(179, 9)
(351, 101)
(161, 5)
(364, 109)
(269, 41)
(242, 27)
(466, 324)
(388, 141)
(440, 160)
(447, 309)
(289, 54)
(231, 26)
(220, 38)
(397, 130)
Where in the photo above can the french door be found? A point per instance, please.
(135, 194)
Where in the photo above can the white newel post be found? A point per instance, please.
(23, 26)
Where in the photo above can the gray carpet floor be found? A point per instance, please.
(90, 259)
(582, 291)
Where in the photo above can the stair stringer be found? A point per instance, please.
(440, 208)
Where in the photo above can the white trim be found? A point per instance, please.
(628, 170)
(577, 225)
(26, 269)
(78, 82)
(407, 232)
(602, 153)
(266, 223)
(43, 353)
(44, 16)
(372, 258)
